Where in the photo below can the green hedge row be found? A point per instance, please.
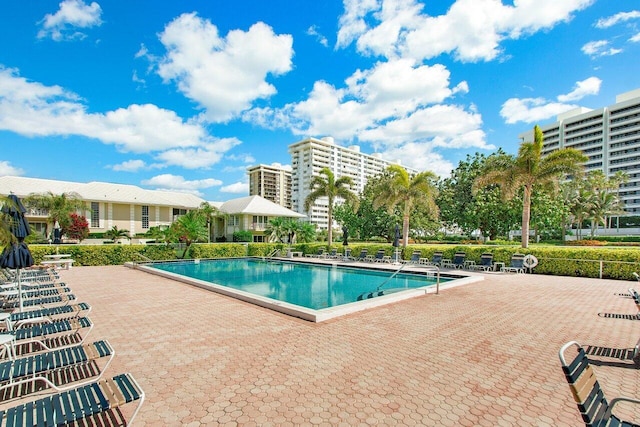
(617, 263)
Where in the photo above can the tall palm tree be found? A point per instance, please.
(326, 185)
(529, 170)
(59, 206)
(398, 188)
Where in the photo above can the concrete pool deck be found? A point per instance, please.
(485, 353)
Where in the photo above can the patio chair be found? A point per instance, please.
(347, 254)
(379, 256)
(55, 369)
(486, 262)
(9, 295)
(517, 264)
(592, 404)
(316, 255)
(333, 254)
(48, 336)
(436, 260)
(45, 315)
(39, 302)
(457, 261)
(361, 257)
(102, 397)
(415, 258)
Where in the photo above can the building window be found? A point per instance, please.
(145, 217)
(234, 220)
(178, 212)
(95, 215)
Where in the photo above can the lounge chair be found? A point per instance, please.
(45, 315)
(29, 293)
(316, 255)
(415, 258)
(49, 336)
(333, 254)
(40, 302)
(517, 264)
(378, 257)
(436, 260)
(361, 257)
(51, 368)
(84, 402)
(592, 404)
(457, 261)
(347, 254)
(486, 262)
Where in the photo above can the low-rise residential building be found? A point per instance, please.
(136, 209)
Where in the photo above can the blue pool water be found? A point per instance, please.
(307, 285)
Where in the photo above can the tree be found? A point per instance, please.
(159, 233)
(78, 229)
(276, 230)
(397, 188)
(486, 211)
(325, 185)
(190, 228)
(59, 206)
(210, 213)
(529, 170)
(306, 232)
(115, 233)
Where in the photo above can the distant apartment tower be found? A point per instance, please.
(311, 155)
(609, 136)
(271, 182)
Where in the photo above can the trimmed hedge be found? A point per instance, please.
(104, 254)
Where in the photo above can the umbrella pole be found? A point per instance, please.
(19, 290)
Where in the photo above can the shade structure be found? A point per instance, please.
(345, 236)
(17, 255)
(396, 243)
(57, 233)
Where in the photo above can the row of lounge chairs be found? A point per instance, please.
(44, 350)
(594, 407)
(459, 261)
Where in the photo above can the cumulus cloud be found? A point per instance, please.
(33, 109)
(236, 188)
(590, 86)
(178, 183)
(420, 157)
(599, 48)
(72, 15)
(224, 75)
(530, 110)
(635, 38)
(6, 168)
(610, 21)
(129, 166)
(471, 30)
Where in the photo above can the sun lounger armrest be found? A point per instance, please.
(614, 401)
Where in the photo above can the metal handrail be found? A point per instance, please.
(147, 259)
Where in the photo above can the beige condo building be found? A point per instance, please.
(271, 182)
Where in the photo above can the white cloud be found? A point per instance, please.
(313, 31)
(129, 166)
(178, 183)
(203, 156)
(236, 188)
(223, 75)
(531, 110)
(32, 109)
(7, 169)
(472, 30)
(635, 39)
(610, 21)
(420, 157)
(590, 86)
(73, 14)
(599, 48)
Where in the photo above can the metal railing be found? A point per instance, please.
(144, 258)
(601, 262)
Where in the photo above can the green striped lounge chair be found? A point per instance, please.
(45, 315)
(55, 369)
(594, 408)
(79, 406)
(49, 336)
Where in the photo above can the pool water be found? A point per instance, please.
(308, 285)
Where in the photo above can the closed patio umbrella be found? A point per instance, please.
(17, 255)
(396, 242)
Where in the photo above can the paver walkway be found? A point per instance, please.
(483, 354)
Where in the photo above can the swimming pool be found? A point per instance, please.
(308, 290)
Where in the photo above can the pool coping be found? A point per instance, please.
(324, 314)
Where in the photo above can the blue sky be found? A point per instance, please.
(185, 95)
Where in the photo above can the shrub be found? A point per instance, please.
(242, 236)
(586, 243)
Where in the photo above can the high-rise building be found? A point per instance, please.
(271, 182)
(609, 136)
(311, 155)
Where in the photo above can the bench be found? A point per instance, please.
(60, 263)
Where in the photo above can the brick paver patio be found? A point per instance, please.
(481, 354)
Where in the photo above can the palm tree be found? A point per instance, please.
(190, 228)
(116, 234)
(325, 185)
(529, 170)
(276, 229)
(603, 204)
(59, 206)
(210, 213)
(398, 188)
